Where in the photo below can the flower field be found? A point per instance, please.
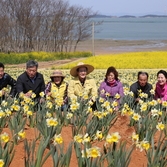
(36, 135)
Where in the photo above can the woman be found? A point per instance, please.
(82, 85)
(111, 85)
(161, 85)
(57, 88)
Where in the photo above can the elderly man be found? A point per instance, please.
(141, 86)
(30, 81)
(5, 80)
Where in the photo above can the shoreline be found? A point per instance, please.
(104, 46)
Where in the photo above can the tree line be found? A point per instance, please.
(43, 25)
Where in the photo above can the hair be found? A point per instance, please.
(142, 73)
(2, 65)
(113, 70)
(31, 63)
(162, 72)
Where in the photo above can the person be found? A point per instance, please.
(30, 81)
(161, 85)
(111, 85)
(141, 86)
(82, 84)
(57, 88)
(5, 80)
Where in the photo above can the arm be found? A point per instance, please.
(102, 90)
(19, 85)
(121, 91)
(94, 88)
(12, 83)
(47, 88)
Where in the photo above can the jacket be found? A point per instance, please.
(24, 84)
(135, 87)
(75, 88)
(8, 80)
(112, 90)
(161, 92)
(57, 91)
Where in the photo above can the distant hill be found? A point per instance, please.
(153, 16)
(127, 16)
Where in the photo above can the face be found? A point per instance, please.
(1, 72)
(161, 79)
(111, 76)
(57, 80)
(142, 80)
(31, 72)
(82, 72)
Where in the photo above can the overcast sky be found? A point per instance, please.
(122, 7)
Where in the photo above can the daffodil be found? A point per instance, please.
(117, 96)
(42, 94)
(154, 112)
(86, 138)
(57, 139)
(21, 135)
(160, 126)
(113, 138)
(135, 137)
(4, 137)
(29, 113)
(2, 114)
(1, 163)
(93, 152)
(143, 145)
(51, 122)
(69, 115)
(78, 138)
(8, 112)
(4, 103)
(136, 116)
(98, 135)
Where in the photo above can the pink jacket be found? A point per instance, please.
(161, 92)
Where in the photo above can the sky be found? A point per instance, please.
(124, 7)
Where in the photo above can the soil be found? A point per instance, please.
(138, 159)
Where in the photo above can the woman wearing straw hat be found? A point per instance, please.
(81, 84)
(57, 88)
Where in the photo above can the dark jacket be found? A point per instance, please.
(8, 80)
(135, 87)
(24, 84)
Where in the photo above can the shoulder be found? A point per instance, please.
(134, 84)
(39, 75)
(149, 85)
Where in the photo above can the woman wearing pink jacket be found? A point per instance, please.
(161, 86)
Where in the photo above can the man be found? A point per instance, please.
(141, 86)
(5, 80)
(30, 81)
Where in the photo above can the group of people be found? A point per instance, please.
(31, 81)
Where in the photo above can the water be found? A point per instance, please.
(131, 28)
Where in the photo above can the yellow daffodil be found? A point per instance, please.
(136, 116)
(4, 103)
(98, 135)
(1, 163)
(93, 152)
(135, 137)
(78, 138)
(113, 138)
(29, 113)
(2, 114)
(57, 139)
(51, 122)
(160, 126)
(4, 137)
(69, 115)
(42, 94)
(117, 96)
(21, 135)
(86, 138)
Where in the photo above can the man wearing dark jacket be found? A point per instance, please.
(30, 81)
(5, 80)
(141, 86)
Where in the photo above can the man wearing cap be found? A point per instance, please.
(57, 88)
(81, 84)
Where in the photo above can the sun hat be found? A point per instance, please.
(73, 71)
(57, 73)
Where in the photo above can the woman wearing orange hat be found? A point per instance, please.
(57, 88)
(82, 84)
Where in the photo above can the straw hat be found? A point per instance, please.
(57, 73)
(73, 71)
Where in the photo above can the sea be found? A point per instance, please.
(138, 28)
